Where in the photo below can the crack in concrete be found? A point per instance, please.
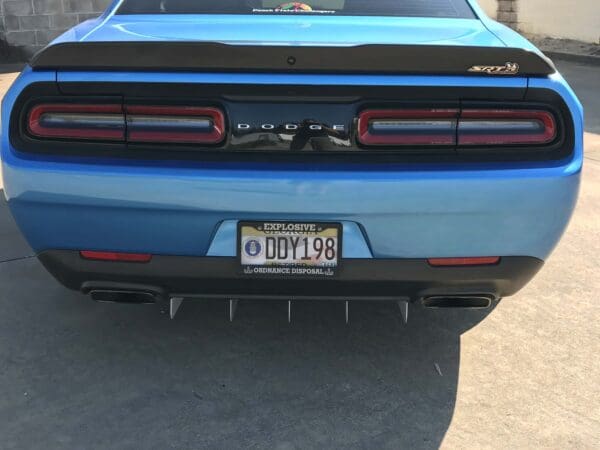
(22, 258)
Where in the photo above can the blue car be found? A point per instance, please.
(399, 150)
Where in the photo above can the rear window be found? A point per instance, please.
(406, 8)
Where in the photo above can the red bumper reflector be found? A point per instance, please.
(116, 257)
(449, 262)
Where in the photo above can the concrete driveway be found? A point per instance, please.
(74, 374)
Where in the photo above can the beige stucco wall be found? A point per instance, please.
(576, 19)
(567, 19)
(490, 7)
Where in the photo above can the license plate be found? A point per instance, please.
(310, 249)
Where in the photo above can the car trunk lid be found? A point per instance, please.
(288, 30)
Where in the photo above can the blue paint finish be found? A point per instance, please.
(290, 30)
(291, 79)
(354, 244)
(406, 213)
(400, 211)
(298, 30)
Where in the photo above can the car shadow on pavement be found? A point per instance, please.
(123, 376)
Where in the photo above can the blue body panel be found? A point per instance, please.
(287, 30)
(403, 211)
(388, 211)
(298, 30)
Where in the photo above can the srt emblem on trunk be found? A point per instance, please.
(507, 69)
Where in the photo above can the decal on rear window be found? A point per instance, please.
(399, 8)
(293, 8)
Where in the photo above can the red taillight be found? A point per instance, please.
(407, 127)
(506, 127)
(175, 124)
(135, 124)
(73, 121)
(116, 256)
(478, 261)
(454, 127)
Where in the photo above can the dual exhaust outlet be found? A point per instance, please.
(124, 297)
(458, 302)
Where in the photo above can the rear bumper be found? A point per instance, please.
(221, 277)
(402, 214)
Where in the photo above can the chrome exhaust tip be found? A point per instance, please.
(458, 302)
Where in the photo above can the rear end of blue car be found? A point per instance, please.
(341, 150)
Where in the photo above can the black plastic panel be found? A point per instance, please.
(293, 123)
(358, 278)
(218, 57)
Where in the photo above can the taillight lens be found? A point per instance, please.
(408, 127)
(174, 124)
(135, 124)
(72, 121)
(454, 127)
(506, 127)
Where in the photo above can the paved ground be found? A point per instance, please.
(574, 50)
(74, 374)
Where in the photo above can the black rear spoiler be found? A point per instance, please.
(362, 59)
